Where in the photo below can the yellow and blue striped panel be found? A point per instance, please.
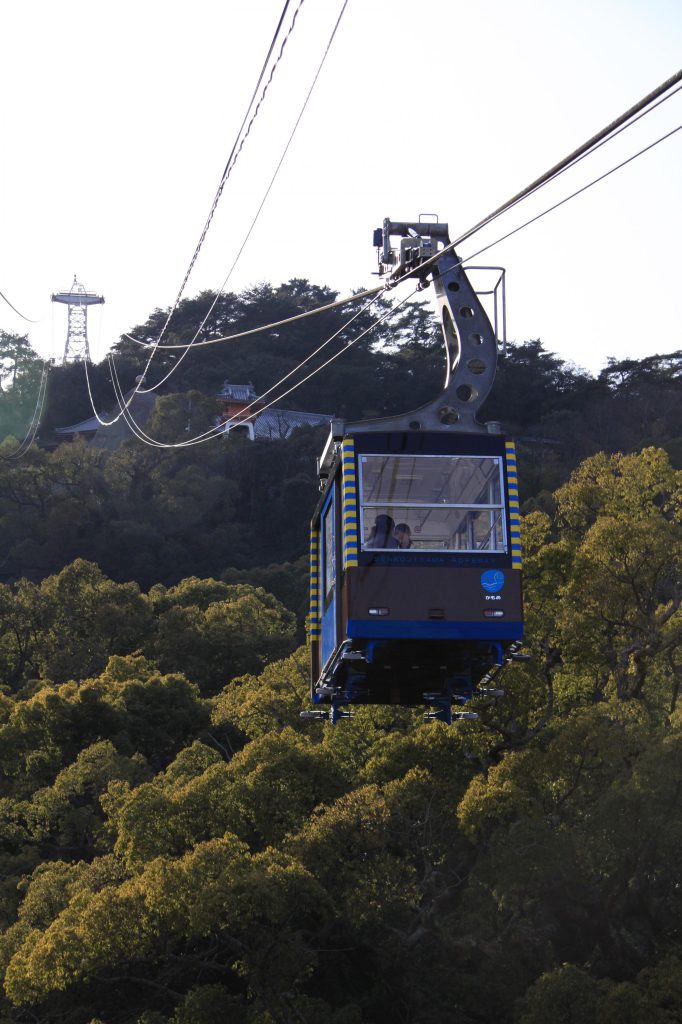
(349, 503)
(315, 619)
(514, 512)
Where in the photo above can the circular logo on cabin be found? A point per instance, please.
(492, 580)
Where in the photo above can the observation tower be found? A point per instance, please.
(77, 300)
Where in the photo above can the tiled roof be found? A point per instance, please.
(112, 436)
(272, 424)
(238, 392)
(79, 428)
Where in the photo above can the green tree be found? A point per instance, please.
(238, 633)
(89, 618)
(21, 371)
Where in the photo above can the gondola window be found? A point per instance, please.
(449, 502)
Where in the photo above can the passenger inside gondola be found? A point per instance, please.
(441, 502)
(381, 534)
(403, 535)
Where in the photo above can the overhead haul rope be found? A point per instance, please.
(108, 423)
(190, 344)
(215, 431)
(374, 291)
(18, 312)
(578, 154)
(235, 152)
(539, 216)
(232, 159)
(605, 135)
(237, 146)
(220, 430)
(272, 326)
(567, 165)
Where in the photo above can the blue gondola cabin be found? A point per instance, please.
(415, 566)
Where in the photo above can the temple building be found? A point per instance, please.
(241, 409)
(114, 433)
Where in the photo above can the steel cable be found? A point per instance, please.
(605, 135)
(18, 312)
(228, 168)
(109, 423)
(260, 208)
(220, 430)
(239, 142)
(271, 327)
(564, 165)
(215, 431)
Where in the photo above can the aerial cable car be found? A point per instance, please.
(415, 585)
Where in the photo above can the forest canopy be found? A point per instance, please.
(231, 506)
(179, 847)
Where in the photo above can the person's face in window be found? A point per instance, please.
(402, 535)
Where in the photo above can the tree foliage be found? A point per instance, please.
(179, 847)
(20, 376)
(70, 625)
(170, 857)
(230, 506)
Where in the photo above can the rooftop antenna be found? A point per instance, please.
(77, 299)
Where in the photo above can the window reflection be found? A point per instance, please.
(329, 555)
(432, 503)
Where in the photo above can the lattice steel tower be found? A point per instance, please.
(78, 300)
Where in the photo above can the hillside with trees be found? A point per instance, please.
(230, 505)
(179, 847)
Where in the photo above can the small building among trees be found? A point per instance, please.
(243, 410)
(239, 409)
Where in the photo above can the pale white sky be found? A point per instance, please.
(117, 119)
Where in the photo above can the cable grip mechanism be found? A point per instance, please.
(422, 251)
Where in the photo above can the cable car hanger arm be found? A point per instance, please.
(470, 341)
